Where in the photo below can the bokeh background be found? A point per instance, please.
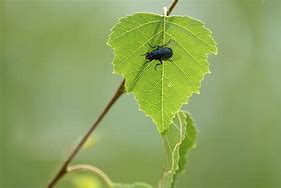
(56, 77)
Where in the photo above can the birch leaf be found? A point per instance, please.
(161, 93)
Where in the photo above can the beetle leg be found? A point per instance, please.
(146, 62)
(157, 46)
(161, 62)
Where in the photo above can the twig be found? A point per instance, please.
(172, 6)
(93, 169)
(63, 169)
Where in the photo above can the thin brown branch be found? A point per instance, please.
(92, 169)
(172, 6)
(63, 169)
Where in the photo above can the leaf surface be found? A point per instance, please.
(161, 92)
(178, 140)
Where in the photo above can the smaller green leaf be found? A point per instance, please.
(178, 140)
(134, 185)
(187, 144)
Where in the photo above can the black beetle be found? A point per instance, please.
(160, 53)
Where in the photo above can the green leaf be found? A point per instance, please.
(161, 93)
(86, 181)
(178, 140)
(187, 144)
(134, 185)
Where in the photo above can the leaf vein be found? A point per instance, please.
(193, 34)
(138, 77)
(138, 48)
(173, 86)
(186, 76)
(148, 23)
(187, 51)
(152, 89)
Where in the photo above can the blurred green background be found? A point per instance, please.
(56, 76)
